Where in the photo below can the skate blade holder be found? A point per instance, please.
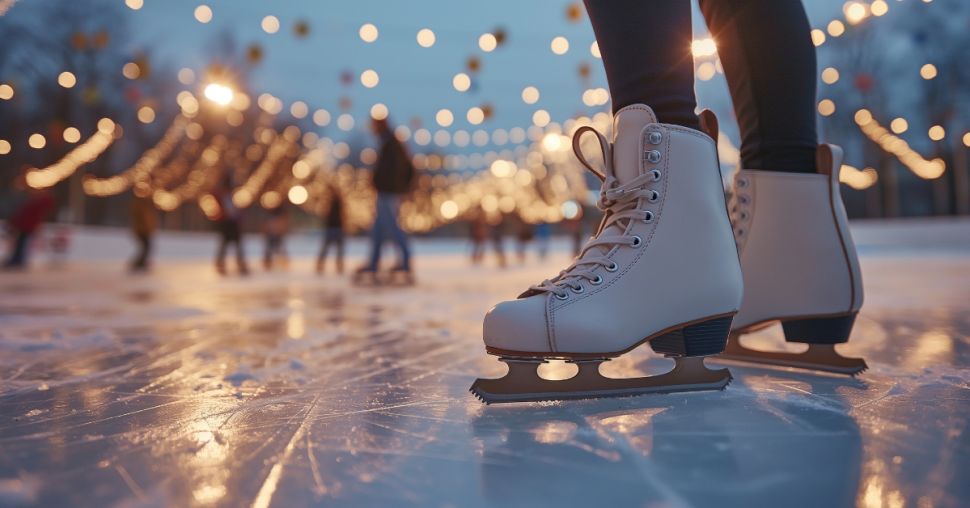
(818, 357)
(522, 383)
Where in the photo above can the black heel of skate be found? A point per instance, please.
(819, 330)
(820, 333)
(699, 339)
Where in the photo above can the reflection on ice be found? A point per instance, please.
(187, 390)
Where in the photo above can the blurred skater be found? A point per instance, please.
(524, 233)
(144, 221)
(543, 233)
(25, 222)
(275, 229)
(333, 232)
(393, 176)
(478, 233)
(229, 230)
(498, 239)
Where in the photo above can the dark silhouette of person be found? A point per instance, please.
(25, 223)
(393, 176)
(333, 232)
(144, 221)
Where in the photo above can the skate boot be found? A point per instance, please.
(800, 265)
(662, 268)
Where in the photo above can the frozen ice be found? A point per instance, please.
(182, 388)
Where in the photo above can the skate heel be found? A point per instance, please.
(699, 339)
(819, 330)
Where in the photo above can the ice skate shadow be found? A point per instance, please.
(756, 444)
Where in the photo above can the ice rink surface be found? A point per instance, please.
(181, 388)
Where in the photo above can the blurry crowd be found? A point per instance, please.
(393, 178)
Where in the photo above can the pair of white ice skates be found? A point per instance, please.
(662, 269)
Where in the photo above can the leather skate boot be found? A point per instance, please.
(800, 265)
(662, 268)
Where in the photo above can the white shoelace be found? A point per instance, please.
(619, 204)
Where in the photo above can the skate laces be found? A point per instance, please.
(619, 202)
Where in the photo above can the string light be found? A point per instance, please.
(143, 166)
(594, 49)
(4, 147)
(540, 118)
(321, 117)
(426, 38)
(927, 71)
(826, 107)
(899, 125)
(203, 14)
(131, 70)
(461, 82)
(270, 24)
(6, 92)
(936, 132)
(487, 42)
(836, 28)
(84, 153)
(530, 95)
(37, 141)
(146, 114)
(830, 75)
(134, 4)
(66, 79)
(299, 109)
(378, 111)
(858, 179)
(475, 115)
(444, 117)
(369, 78)
(926, 169)
(818, 37)
(368, 32)
(559, 45)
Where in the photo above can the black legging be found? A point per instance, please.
(768, 57)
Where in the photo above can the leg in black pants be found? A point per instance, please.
(768, 57)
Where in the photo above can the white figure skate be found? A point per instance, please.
(799, 263)
(662, 268)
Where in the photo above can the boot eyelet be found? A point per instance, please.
(743, 215)
(654, 196)
(656, 174)
(652, 156)
(637, 241)
(612, 267)
(648, 216)
(743, 200)
(740, 232)
(742, 182)
(578, 289)
(597, 281)
(655, 138)
(562, 296)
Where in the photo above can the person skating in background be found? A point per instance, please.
(333, 232)
(392, 179)
(524, 233)
(275, 228)
(497, 234)
(478, 233)
(25, 223)
(229, 229)
(144, 221)
(543, 234)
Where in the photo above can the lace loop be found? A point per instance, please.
(620, 202)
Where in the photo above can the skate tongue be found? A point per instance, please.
(628, 125)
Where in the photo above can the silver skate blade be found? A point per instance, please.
(523, 384)
(820, 357)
